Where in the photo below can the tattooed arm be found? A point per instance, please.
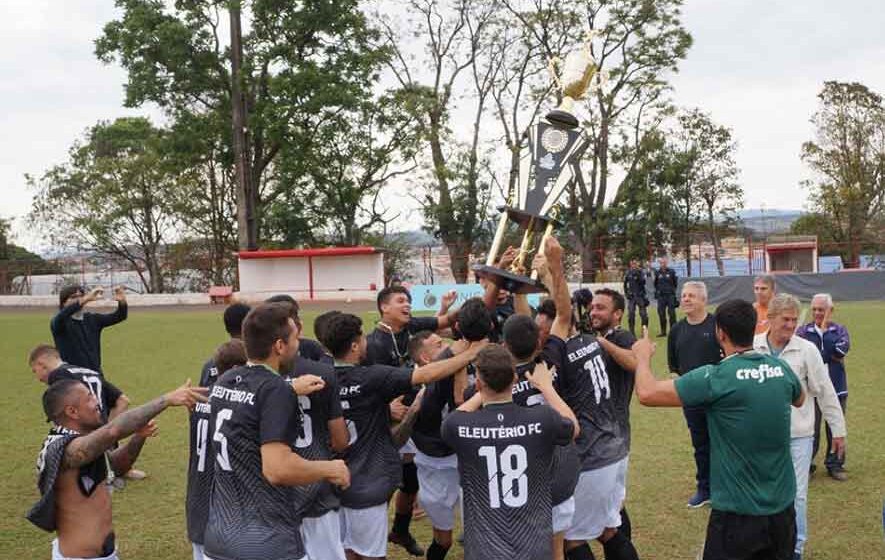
(86, 449)
(403, 431)
(124, 457)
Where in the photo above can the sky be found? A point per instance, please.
(755, 66)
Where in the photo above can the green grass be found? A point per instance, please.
(155, 350)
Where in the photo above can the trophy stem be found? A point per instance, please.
(525, 246)
(548, 231)
(498, 239)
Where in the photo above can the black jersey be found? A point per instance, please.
(249, 518)
(505, 452)
(313, 442)
(105, 391)
(374, 462)
(392, 349)
(566, 467)
(622, 390)
(590, 390)
(90, 477)
(635, 285)
(201, 461)
(436, 404)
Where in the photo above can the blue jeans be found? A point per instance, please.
(696, 418)
(801, 449)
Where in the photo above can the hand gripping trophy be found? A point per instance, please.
(546, 168)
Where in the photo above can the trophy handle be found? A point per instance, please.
(548, 231)
(498, 239)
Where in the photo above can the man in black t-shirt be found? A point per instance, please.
(505, 458)
(366, 392)
(77, 333)
(253, 512)
(388, 344)
(47, 365)
(692, 343)
(201, 462)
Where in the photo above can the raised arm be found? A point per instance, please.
(652, 391)
(542, 379)
(59, 321)
(623, 356)
(403, 431)
(437, 370)
(85, 449)
(549, 265)
(119, 315)
(123, 458)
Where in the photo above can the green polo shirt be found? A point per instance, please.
(747, 397)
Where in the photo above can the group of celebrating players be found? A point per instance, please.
(297, 447)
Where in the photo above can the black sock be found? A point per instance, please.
(401, 523)
(410, 478)
(619, 547)
(625, 527)
(436, 551)
(582, 552)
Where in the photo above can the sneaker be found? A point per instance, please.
(699, 500)
(839, 475)
(406, 541)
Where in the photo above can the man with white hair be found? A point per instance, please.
(805, 360)
(833, 342)
(692, 343)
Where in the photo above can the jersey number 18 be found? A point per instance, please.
(506, 475)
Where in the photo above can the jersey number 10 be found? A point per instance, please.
(506, 475)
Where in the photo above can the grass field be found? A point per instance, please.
(155, 350)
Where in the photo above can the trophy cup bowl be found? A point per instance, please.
(577, 73)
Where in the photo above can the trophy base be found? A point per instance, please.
(562, 118)
(506, 280)
(522, 218)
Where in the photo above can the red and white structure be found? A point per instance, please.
(330, 273)
(791, 254)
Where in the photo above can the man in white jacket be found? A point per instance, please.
(804, 359)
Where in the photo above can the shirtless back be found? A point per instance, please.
(75, 462)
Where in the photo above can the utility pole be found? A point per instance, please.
(247, 227)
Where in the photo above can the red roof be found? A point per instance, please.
(301, 253)
(790, 246)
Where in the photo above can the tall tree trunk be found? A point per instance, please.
(459, 255)
(247, 225)
(687, 253)
(714, 237)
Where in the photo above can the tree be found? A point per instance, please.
(710, 181)
(637, 43)
(848, 156)
(458, 39)
(114, 196)
(300, 59)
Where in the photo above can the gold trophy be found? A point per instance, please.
(548, 163)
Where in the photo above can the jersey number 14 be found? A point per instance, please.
(507, 476)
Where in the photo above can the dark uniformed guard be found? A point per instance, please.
(665, 293)
(635, 292)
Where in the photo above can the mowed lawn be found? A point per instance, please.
(156, 350)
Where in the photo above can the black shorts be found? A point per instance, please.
(732, 536)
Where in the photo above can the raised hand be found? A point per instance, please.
(307, 384)
(398, 410)
(149, 430)
(120, 294)
(448, 299)
(541, 377)
(552, 249)
(644, 348)
(94, 294)
(507, 257)
(186, 395)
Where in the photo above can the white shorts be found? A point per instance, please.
(408, 448)
(599, 496)
(440, 490)
(57, 555)
(198, 551)
(364, 531)
(322, 537)
(563, 515)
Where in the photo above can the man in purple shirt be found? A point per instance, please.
(833, 342)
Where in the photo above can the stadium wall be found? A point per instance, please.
(858, 285)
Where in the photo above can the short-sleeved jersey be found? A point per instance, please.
(566, 467)
(505, 453)
(313, 442)
(622, 381)
(103, 390)
(392, 349)
(374, 462)
(748, 399)
(201, 461)
(89, 478)
(599, 398)
(692, 346)
(249, 518)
